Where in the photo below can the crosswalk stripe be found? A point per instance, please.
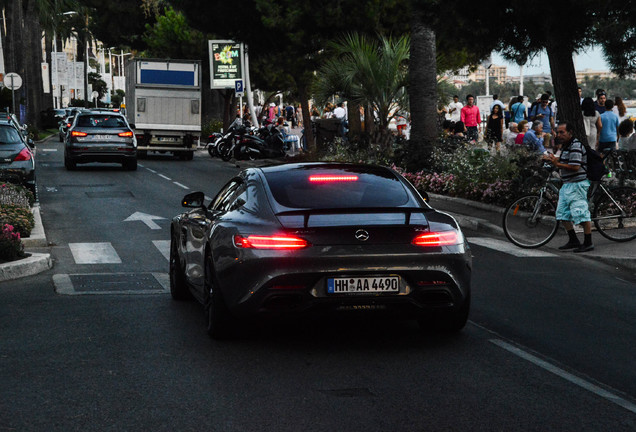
(509, 248)
(94, 253)
(163, 246)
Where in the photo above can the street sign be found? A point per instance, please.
(12, 81)
(238, 88)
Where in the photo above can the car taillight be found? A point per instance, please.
(270, 242)
(128, 134)
(78, 134)
(24, 155)
(332, 178)
(444, 238)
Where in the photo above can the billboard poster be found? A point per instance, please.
(226, 63)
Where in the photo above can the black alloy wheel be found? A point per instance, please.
(220, 323)
(178, 287)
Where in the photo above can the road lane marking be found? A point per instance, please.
(165, 177)
(94, 253)
(163, 246)
(509, 248)
(49, 150)
(566, 375)
(181, 185)
(152, 171)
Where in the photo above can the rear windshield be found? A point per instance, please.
(101, 121)
(8, 135)
(335, 187)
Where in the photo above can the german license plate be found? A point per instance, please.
(102, 137)
(382, 284)
(167, 139)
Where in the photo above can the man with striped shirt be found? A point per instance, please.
(572, 208)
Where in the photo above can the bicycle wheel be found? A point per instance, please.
(615, 216)
(530, 221)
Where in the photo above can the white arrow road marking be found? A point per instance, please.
(509, 248)
(145, 218)
(163, 246)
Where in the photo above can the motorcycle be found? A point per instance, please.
(213, 141)
(242, 142)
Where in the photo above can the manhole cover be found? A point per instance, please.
(111, 283)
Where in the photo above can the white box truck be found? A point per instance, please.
(164, 105)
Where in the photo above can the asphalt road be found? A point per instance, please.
(548, 347)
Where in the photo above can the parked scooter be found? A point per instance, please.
(213, 141)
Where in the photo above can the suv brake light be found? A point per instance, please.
(444, 238)
(270, 242)
(24, 155)
(78, 134)
(128, 134)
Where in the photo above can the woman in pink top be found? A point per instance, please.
(523, 128)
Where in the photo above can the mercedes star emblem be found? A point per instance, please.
(362, 235)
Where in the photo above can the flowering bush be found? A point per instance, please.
(19, 217)
(11, 247)
(15, 195)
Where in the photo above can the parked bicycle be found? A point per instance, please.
(530, 220)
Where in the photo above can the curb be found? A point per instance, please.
(34, 264)
(471, 222)
(37, 237)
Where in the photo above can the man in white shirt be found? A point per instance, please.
(496, 101)
(455, 110)
(340, 112)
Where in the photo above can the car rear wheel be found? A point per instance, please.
(69, 164)
(220, 323)
(448, 321)
(178, 288)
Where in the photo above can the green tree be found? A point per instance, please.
(568, 27)
(367, 72)
(172, 37)
(98, 84)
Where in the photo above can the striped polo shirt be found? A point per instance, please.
(574, 154)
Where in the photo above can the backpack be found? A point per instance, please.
(595, 167)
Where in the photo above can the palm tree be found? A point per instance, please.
(367, 72)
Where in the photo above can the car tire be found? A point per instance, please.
(69, 164)
(448, 321)
(130, 165)
(219, 320)
(178, 287)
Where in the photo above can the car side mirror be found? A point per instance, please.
(30, 143)
(193, 200)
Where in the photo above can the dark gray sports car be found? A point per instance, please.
(319, 238)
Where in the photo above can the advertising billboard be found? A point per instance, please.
(226, 63)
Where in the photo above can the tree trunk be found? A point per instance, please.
(309, 132)
(33, 70)
(423, 88)
(369, 121)
(565, 85)
(355, 125)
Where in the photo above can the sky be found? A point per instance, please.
(589, 59)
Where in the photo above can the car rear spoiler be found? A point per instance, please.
(354, 210)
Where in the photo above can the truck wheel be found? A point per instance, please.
(189, 155)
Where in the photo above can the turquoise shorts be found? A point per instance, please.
(573, 204)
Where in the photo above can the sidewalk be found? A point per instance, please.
(487, 218)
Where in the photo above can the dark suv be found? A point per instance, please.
(98, 136)
(17, 164)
